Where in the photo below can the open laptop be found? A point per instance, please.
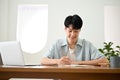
(11, 53)
(1, 60)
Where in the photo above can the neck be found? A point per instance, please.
(71, 46)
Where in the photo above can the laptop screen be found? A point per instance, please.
(1, 63)
(11, 53)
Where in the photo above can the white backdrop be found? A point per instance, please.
(91, 11)
(112, 24)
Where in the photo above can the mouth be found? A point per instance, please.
(72, 38)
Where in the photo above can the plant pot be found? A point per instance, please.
(115, 62)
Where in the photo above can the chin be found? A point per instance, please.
(72, 41)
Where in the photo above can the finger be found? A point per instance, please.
(67, 61)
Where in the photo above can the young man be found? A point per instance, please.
(72, 49)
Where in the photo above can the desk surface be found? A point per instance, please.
(83, 72)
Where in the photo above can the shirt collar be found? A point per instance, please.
(64, 43)
(79, 42)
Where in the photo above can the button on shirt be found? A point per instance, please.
(84, 50)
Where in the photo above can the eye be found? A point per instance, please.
(76, 31)
(70, 30)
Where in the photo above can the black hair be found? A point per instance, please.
(74, 20)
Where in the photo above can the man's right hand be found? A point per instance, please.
(65, 61)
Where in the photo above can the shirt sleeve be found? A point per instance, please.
(50, 52)
(95, 53)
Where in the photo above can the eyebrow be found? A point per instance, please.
(73, 29)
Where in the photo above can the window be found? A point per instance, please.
(32, 26)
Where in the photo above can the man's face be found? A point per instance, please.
(72, 34)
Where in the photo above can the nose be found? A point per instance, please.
(73, 34)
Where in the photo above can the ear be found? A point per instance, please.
(80, 30)
(65, 28)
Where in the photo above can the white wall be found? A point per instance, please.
(91, 11)
(3, 20)
(112, 24)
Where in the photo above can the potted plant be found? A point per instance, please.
(112, 54)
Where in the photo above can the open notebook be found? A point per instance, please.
(11, 53)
